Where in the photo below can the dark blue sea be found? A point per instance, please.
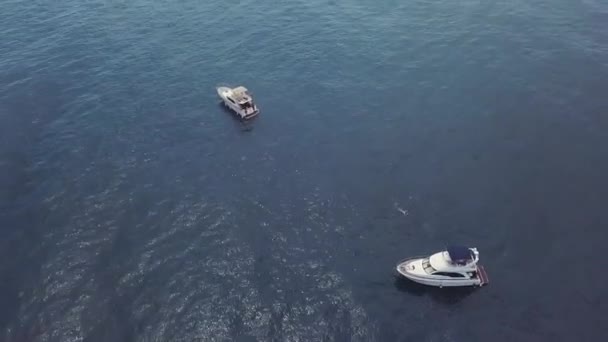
(134, 207)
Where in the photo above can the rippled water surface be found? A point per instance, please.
(133, 207)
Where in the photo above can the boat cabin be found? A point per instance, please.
(241, 96)
(456, 261)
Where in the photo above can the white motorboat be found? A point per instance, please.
(456, 266)
(239, 100)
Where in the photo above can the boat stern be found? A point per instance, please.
(483, 276)
(251, 115)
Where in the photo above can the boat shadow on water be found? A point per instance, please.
(243, 125)
(445, 295)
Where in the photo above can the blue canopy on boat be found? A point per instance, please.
(460, 253)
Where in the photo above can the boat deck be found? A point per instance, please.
(483, 276)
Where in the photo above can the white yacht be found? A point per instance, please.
(239, 100)
(456, 266)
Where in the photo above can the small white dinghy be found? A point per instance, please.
(239, 100)
(456, 266)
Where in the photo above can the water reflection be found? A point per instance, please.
(242, 124)
(445, 295)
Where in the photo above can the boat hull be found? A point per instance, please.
(223, 93)
(402, 269)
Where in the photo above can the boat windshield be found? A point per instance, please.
(426, 265)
